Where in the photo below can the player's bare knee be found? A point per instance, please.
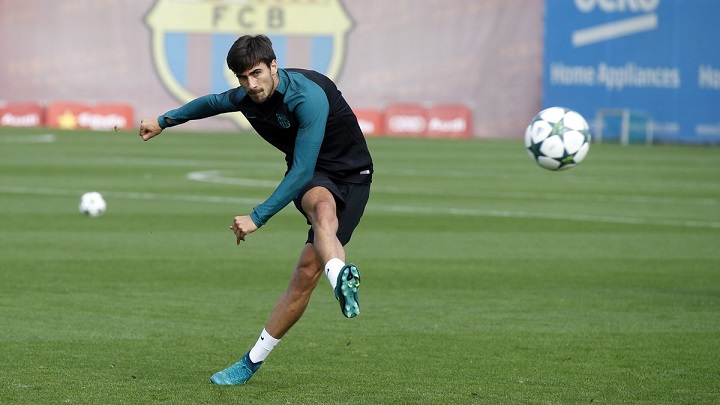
(324, 217)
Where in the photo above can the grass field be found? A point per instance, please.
(485, 278)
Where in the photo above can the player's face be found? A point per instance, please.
(259, 81)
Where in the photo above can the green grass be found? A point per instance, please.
(486, 279)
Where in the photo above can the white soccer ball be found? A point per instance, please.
(92, 204)
(557, 138)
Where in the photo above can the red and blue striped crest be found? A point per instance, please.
(191, 40)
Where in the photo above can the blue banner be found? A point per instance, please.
(659, 58)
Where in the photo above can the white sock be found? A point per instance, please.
(332, 269)
(263, 347)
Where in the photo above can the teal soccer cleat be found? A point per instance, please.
(238, 373)
(346, 290)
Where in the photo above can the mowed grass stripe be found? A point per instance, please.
(387, 208)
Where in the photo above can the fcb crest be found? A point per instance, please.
(283, 120)
(190, 40)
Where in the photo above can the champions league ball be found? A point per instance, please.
(557, 138)
(92, 204)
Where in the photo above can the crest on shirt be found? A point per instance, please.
(190, 40)
(283, 121)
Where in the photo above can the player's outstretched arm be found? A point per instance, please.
(149, 128)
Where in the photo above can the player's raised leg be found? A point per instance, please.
(320, 206)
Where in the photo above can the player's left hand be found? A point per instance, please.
(242, 226)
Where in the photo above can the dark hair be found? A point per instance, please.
(248, 51)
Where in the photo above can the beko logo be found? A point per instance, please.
(647, 21)
(617, 6)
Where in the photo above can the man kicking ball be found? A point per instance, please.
(329, 171)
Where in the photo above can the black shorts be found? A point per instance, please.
(350, 201)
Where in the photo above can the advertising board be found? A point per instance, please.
(655, 58)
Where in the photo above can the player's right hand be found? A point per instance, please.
(149, 128)
(242, 226)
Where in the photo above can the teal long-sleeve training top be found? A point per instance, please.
(307, 119)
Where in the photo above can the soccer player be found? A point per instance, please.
(329, 171)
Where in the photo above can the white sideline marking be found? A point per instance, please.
(617, 29)
(541, 215)
(633, 199)
(215, 176)
(382, 208)
(133, 196)
(42, 138)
